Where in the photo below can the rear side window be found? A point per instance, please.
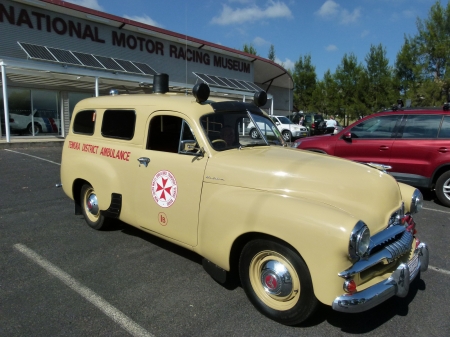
(84, 122)
(421, 126)
(445, 128)
(119, 124)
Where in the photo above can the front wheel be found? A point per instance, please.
(277, 281)
(286, 135)
(443, 189)
(90, 209)
(254, 134)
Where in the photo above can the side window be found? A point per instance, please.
(119, 124)
(444, 132)
(171, 134)
(421, 126)
(84, 122)
(376, 127)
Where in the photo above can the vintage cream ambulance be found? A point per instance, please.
(298, 227)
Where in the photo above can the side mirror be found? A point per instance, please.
(189, 147)
(347, 135)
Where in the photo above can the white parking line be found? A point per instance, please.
(436, 210)
(117, 316)
(439, 270)
(29, 155)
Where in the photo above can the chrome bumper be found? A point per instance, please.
(396, 284)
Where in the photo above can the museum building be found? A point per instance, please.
(54, 53)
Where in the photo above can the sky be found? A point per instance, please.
(324, 29)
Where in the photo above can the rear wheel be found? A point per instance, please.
(277, 281)
(90, 209)
(443, 189)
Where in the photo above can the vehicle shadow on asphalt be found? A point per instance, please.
(232, 281)
(369, 320)
(350, 323)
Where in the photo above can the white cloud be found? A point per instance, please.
(287, 63)
(274, 9)
(365, 33)
(144, 19)
(93, 4)
(331, 47)
(331, 10)
(259, 41)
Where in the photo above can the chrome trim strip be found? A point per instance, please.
(397, 284)
(385, 235)
(387, 254)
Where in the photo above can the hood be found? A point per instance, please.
(359, 190)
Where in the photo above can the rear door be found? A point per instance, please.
(371, 140)
(418, 151)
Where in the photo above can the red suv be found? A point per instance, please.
(414, 143)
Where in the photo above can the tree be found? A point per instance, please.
(271, 55)
(380, 93)
(248, 48)
(304, 77)
(407, 71)
(351, 83)
(433, 42)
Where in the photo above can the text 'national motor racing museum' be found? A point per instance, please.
(55, 54)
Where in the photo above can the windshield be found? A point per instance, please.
(237, 129)
(284, 120)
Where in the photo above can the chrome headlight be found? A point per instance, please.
(359, 241)
(416, 202)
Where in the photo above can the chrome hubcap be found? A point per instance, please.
(275, 279)
(92, 204)
(446, 189)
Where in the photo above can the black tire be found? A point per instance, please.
(89, 207)
(287, 136)
(288, 303)
(37, 129)
(443, 189)
(254, 134)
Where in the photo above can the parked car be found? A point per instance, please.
(338, 128)
(263, 213)
(289, 130)
(314, 122)
(44, 121)
(414, 144)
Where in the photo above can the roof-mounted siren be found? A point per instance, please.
(113, 92)
(160, 83)
(201, 92)
(260, 98)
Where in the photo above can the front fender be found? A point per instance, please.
(319, 232)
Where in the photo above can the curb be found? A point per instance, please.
(26, 144)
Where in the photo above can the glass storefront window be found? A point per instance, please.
(74, 98)
(46, 115)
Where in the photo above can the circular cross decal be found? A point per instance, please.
(164, 188)
(271, 282)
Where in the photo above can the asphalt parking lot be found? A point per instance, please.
(58, 277)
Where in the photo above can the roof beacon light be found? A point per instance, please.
(160, 83)
(260, 98)
(200, 92)
(114, 92)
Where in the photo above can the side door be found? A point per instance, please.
(168, 178)
(371, 140)
(418, 151)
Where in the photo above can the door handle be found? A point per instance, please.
(384, 147)
(143, 161)
(443, 150)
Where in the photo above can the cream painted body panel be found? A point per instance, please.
(308, 200)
